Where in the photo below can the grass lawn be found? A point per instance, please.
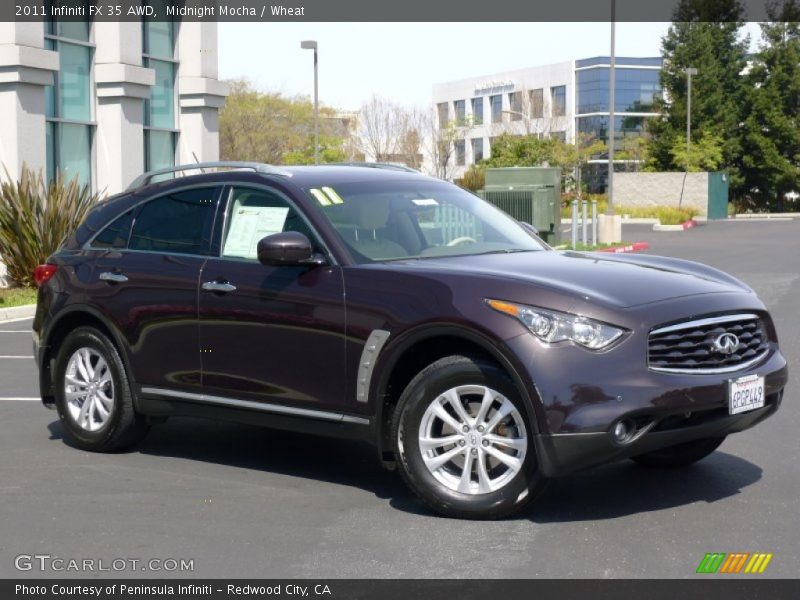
(17, 297)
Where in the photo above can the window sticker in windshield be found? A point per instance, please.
(335, 198)
(326, 196)
(425, 202)
(321, 197)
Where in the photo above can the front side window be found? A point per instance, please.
(254, 214)
(179, 222)
(416, 219)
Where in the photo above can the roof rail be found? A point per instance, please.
(376, 165)
(145, 178)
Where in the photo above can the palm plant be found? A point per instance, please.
(35, 218)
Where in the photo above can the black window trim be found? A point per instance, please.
(137, 208)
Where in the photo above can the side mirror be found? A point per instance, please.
(285, 249)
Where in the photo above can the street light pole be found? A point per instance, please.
(689, 72)
(312, 45)
(611, 100)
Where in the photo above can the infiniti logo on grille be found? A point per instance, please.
(726, 343)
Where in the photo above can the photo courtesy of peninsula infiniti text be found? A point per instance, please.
(370, 301)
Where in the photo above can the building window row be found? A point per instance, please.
(68, 105)
(160, 133)
(521, 105)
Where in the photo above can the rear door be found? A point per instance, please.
(146, 278)
(270, 335)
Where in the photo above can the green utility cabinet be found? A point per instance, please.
(528, 194)
(717, 195)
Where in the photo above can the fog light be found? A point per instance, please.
(621, 431)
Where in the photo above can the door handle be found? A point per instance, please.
(113, 277)
(218, 286)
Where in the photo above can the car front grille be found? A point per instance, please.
(713, 345)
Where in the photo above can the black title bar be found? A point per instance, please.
(359, 10)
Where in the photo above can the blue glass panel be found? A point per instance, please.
(74, 151)
(496, 102)
(159, 149)
(162, 95)
(73, 82)
(477, 111)
(76, 30)
(159, 39)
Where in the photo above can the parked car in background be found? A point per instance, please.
(389, 306)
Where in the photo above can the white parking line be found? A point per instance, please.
(15, 320)
(19, 399)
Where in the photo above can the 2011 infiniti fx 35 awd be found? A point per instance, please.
(382, 304)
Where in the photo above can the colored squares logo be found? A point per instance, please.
(735, 562)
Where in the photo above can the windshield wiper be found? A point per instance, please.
(506, 251)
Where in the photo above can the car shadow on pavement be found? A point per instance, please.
(607, 492)
(624, 488)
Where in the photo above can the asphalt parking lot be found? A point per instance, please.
(245, 502)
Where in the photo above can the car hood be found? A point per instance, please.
(616, 280)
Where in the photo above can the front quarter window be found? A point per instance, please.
(417, 219)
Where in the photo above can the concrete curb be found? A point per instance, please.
(768, 216)
(682, 227)
(17, 312)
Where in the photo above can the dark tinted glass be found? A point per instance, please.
(116, 234)
(179, 222)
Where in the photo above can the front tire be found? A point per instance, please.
(464, 442)
(680, 455)
(93, 395)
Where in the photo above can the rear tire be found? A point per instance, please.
(93, 395)
(680, 455)
(451, 424)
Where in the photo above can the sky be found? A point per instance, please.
(402, 61)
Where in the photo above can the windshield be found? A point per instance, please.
(415, 219)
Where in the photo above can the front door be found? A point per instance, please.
(270, 334)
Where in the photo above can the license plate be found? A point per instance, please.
(745, 394)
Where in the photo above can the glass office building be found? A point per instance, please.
(568, 100)
(102, 101)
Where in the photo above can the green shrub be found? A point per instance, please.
(668, 215)
(35, 218)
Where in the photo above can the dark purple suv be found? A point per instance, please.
(393, 307)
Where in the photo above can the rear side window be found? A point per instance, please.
(178, 223)
(115, 235)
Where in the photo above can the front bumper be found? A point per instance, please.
(563, 453)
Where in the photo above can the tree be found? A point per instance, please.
(703, 35)
(705, 153)
(269, 127)
(390, 132)
(771, 162)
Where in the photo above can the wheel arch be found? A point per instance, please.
(411, 352)
(70, 319)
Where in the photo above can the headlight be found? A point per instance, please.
(552, 326)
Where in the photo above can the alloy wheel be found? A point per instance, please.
(89, 389)
(473, 439)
